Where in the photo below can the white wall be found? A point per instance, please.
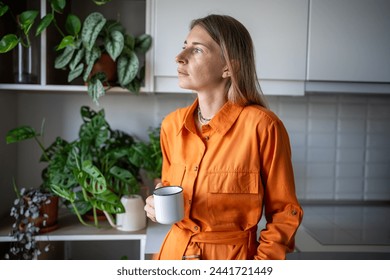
(8, 116)
(339, 142)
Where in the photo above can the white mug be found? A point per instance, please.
(169, 204)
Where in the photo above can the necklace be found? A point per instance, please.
(202, 119)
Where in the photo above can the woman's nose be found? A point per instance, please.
(180, 58)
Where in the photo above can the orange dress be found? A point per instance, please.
(237, 166)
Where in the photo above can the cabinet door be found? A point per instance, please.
(278, 29)
(349, 41)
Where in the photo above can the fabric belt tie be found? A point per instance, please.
(183, 236)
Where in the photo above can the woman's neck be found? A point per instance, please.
(210, 104)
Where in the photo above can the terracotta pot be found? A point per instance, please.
(108, 66)
(99, 215)
(48, 216)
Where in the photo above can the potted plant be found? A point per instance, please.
(99, 37)
(92, 172)
(31, 216)
(100, 165)
(49, 211)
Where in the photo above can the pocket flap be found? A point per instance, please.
(233, 182)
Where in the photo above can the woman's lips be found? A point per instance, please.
(181, 73)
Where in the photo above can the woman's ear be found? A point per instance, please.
(234, 66)
(226, 73)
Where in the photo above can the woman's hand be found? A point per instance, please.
(149, 206)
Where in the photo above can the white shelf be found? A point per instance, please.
(70, 229)
(40, 87)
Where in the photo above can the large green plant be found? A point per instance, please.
(97, 36)
(92, 172)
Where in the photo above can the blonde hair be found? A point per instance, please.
(238, 51)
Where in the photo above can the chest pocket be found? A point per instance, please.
(234, 198)
(176, 174)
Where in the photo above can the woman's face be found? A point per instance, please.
(201, 64)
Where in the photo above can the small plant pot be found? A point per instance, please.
(48, 215)
(99, 216)
(106, 65)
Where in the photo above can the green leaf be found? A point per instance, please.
(114, 44)
(90, 59)
(96, 90)
(109, 202)
(58, 5)
(63, 59)
(134, 86)
(75, 72)
(44, 23)
(129, 43)
(20, 133)
(93, 24)
(96, 132)
(8, 42)
(124, 175)
(77, 59)
(92, 179)
(87, 113)
(65, 42)
(64, 193)
(112, 25)
(73, 24)
(26, 20)
(101, 2)
(127, 68)
(3, 9)
(143, 43)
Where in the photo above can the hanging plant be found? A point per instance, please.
(28, 219)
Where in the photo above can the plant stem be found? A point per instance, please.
(57, 27)
(42, 148)
(78, 215)
(16, 189)
(95, 216)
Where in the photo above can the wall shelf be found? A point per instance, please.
(70, 229)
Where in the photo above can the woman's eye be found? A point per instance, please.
(197, 50)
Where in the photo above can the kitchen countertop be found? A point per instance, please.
(326, 232)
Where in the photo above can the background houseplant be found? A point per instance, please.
(34, 210)
(99, 36)
(37, 195)
(92, 172)
(28, 221)
(100, 165)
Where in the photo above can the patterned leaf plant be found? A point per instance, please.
(92, 172)
(97, 36)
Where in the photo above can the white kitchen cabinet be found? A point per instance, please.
(278, 29)
(349, 41)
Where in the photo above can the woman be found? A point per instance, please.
(230, 154)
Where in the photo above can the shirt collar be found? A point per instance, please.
(221, 122)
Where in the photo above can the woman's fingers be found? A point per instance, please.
(149, 206)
